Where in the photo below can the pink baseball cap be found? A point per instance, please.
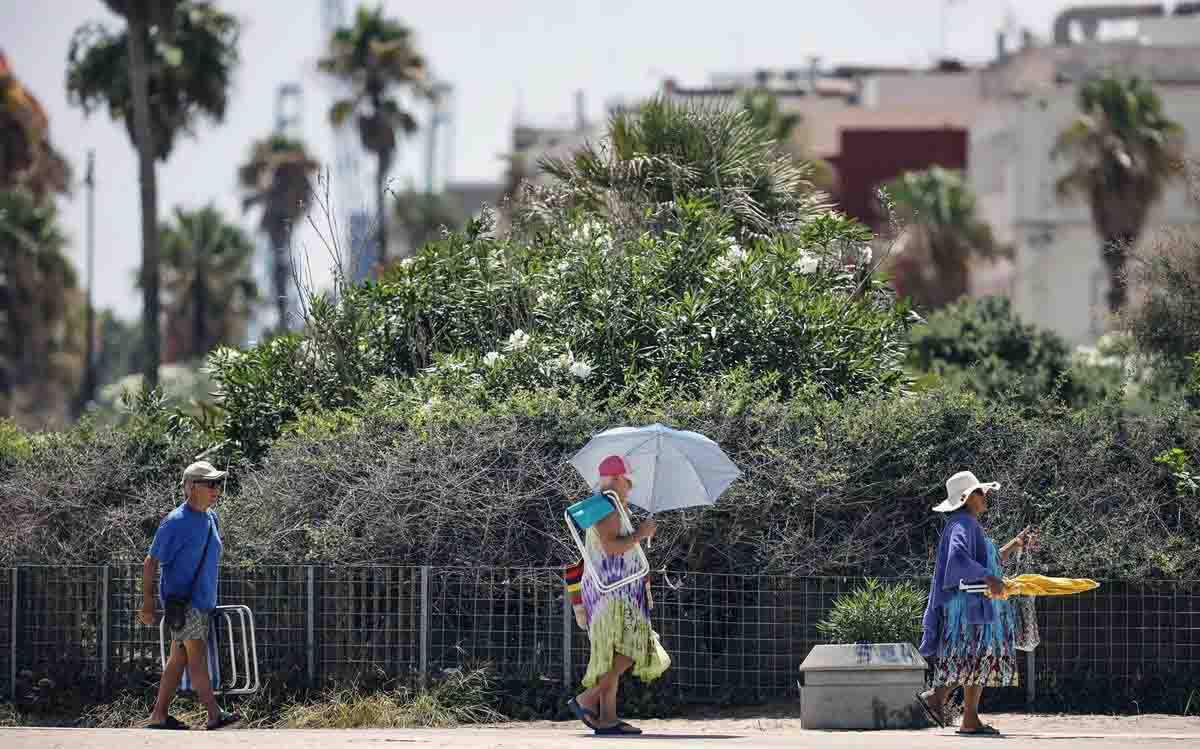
(613, 465)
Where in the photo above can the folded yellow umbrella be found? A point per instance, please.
(1040, 585)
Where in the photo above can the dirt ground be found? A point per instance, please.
(1058, 732)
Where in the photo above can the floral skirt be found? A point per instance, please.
(976, 655)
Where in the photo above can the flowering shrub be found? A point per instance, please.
(592, 303)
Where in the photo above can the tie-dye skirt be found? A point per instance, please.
(619, 622)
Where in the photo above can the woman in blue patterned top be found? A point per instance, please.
(969, 637)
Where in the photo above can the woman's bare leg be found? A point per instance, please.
(604, 690)
(971, 696)
(591, 698)
(937, 698)
(621, 664)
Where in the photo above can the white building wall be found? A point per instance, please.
(1058, 280)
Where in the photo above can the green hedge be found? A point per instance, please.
(829, 488)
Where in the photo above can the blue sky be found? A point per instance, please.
(529, 55)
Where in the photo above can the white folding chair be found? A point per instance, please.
(249, 678)
(574, 527)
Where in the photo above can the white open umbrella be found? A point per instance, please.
(671, 468)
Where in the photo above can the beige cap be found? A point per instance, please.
(202, 470)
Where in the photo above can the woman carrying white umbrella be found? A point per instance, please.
(675, 469)
(618, 621)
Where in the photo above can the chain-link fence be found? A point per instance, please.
(8, 661)
(1126, 629)
(727, 634)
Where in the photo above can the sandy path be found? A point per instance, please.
(1058, 732)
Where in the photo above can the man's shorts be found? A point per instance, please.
(195, 627)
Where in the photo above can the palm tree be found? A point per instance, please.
(40, 304)
(666, 150)
(27, 159)
(376, 56)
(1123, 151)
(208, 282)
(277, 177)
(942, 236)
(764, 110)
(173, 62)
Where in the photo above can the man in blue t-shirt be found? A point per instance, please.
(184, 559)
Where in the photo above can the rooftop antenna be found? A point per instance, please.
(942, 51)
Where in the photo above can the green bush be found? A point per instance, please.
(876, 614)
(981, 345)
(584, 304)
(14, 443)
(1167, 321)
(73, 493)
(829, 488)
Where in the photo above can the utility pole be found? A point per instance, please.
(437, 118)
(87, 391)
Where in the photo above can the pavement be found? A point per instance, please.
(1046, 732)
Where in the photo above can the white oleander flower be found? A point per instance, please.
(581, 370)
(518, 341)
(492, 358)
(732, 257)
(807, 263)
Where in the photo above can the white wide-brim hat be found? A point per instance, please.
(959, 487)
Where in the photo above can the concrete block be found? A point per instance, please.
(862, 687)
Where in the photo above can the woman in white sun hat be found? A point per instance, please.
(969, 637)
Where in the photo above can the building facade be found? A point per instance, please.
(1057, 279)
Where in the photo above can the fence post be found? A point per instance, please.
(1030, 680)
(310, 620)
(426, 615)
(104, 606)
(12, 663)
(567, 622)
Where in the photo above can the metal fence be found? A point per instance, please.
(727, 634)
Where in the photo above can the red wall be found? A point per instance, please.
(870, 158)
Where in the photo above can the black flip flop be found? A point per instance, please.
(628, 729)
(170, 724)
(581, 712)
(981, 731)
(227, 719)
(621, 728)
(929, 711)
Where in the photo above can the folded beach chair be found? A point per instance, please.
(586, 513)
(221, 624)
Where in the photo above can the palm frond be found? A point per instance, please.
(191, 69)
(665, 151)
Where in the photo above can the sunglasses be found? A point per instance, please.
(209, 484)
